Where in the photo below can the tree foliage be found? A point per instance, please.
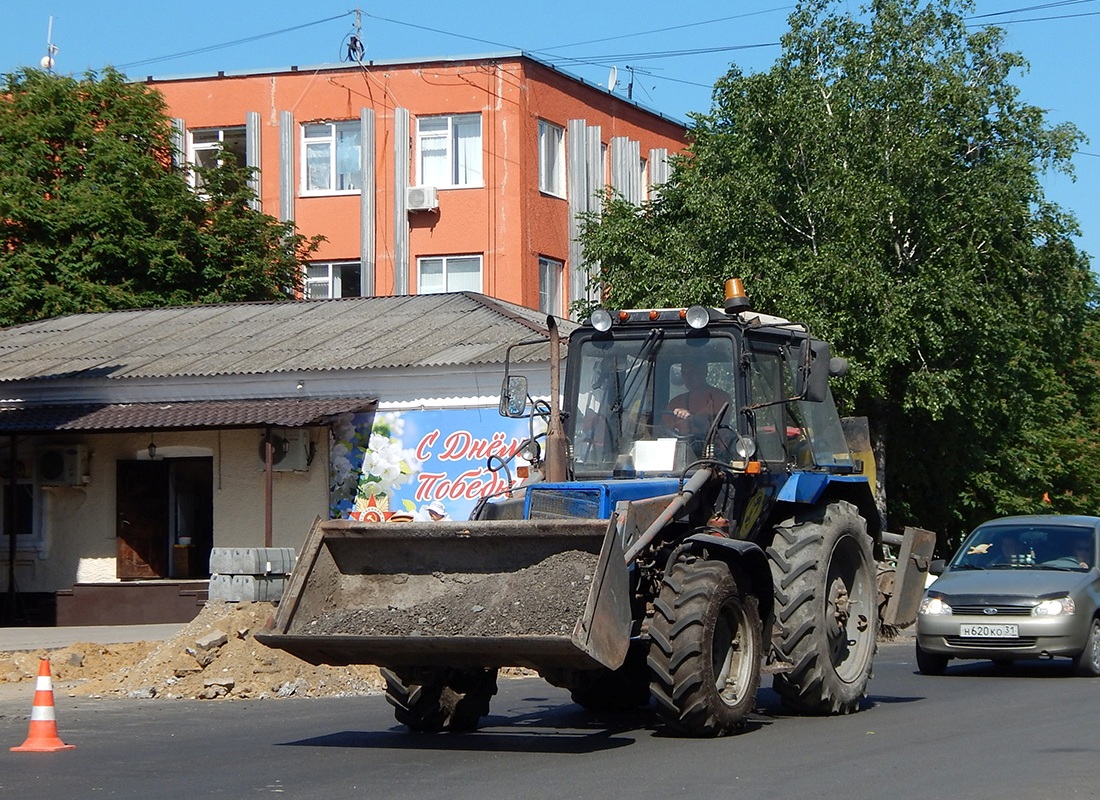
(94, 215)
(881, 182)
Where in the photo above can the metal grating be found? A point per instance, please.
(990, 644)
(582, 504)
(1002, 610)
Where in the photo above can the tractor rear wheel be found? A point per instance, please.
(826, 609)
(705, 649)
(435, 700)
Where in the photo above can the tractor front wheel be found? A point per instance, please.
(705, 649)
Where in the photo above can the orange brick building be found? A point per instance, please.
(435, 176)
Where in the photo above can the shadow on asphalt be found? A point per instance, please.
(1030, 668)
(548, 727)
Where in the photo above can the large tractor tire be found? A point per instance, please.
(826, 609)
(705, 649)
(430, 701)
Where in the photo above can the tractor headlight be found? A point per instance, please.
(745, 447)
(697, 317)
(601, 320)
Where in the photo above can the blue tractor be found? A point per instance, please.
(695, 517)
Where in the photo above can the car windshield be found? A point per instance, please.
(1028, 546)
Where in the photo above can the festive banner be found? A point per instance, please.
(412, 460)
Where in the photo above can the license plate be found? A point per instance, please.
(999, 631)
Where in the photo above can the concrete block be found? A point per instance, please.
(221, 588)
(252, 560)
(258, 588)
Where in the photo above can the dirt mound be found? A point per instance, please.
(544, 599)
(214, 656)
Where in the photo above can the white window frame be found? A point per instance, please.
(551, 281)
(330, 284)
(211, 139)
(325, 139)
(458, 157)
(445, 265)
(551, 159)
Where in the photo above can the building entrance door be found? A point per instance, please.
(165, 526)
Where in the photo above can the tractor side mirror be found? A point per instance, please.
(513, 397)
(812, 376)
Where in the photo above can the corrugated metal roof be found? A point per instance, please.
(289, 413)
(437, 330)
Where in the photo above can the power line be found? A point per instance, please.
(600, 59)
(1049, 19)
(443, 32)
(669, 29)
(234, 43)
(1057, 4)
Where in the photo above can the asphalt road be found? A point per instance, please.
(978, 732)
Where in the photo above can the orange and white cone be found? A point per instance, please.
(43, 737)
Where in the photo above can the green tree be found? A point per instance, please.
(881, 183)
(94, 215)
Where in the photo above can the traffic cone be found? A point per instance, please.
(43, 737)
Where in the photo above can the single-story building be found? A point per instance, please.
(132, 443)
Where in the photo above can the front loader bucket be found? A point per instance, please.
(488, 593)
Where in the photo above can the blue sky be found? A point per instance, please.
(667, 56)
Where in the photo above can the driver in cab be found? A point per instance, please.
(692, 412)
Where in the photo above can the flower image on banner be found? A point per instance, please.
(386, 467)
(410, 460)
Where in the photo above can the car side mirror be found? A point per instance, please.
(513, 397)
(937, 566)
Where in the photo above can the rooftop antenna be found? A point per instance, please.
(47, 61)
(630, 86)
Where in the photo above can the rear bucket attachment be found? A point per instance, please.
(542, 594)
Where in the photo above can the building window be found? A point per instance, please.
(448, 151)
(332, 279)
(20, 500)
(205, 145)
(448, 274)
(331, 157)
(551, 159)
(550, 272)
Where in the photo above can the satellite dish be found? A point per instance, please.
(612, 79)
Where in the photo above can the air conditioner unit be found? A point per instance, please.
(62, 465)
(421, 198)
(290, 450)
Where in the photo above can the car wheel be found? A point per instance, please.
(1087, 664)
(930, 663)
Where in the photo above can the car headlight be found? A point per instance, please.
(935, 606)
(1058, 607)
